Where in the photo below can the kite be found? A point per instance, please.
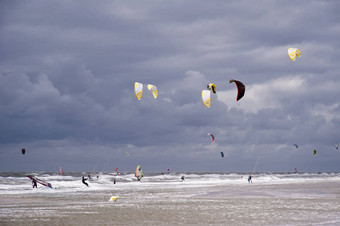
(212, 87)
(139, 173)
(240, 89)
(206, 98)
(154, 90)
(115, 173)
(293, 53)
(138, 90)
(212, 137)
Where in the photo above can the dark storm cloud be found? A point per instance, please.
(68, 69)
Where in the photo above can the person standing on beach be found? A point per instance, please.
(84, 181)
(249, 179)
(34, 182)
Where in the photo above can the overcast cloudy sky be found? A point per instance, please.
(67, 73)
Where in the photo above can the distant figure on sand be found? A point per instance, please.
(182, 177)
(84, 181)
(34, 183)
(249, 179)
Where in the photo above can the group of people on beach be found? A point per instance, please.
(114, 179)
(34, 182)
(83, 179)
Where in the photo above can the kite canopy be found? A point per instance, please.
(138, 90)
(23, 151)
(314, 152)
(222, 154)
(115, 173)
(139, 172)
(113, 198)
(212, 87)
(241, 89)
(212, 137)
(206, 98)
(296, 145)
(154, 90)
(293, 53)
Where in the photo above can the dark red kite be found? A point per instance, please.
(241, 89)
(212, 137)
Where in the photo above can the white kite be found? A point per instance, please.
(206, 98)
(138, 90)
(154, 90)
(293, 53)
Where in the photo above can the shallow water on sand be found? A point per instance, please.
(202, 199)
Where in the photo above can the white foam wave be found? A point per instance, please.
(20, 184)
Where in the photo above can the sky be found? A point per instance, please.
(68, 68)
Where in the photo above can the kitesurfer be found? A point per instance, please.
(139, 177)
(84, 181)
(114, 180)
(34, 183)
(182, 177)
(249, 179)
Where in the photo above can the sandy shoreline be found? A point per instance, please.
(249, 204)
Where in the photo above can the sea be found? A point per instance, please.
(166, 199)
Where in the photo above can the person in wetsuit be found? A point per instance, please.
(84, 181)
(249, 179)
(34, 183)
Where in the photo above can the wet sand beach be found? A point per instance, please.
(308, 203)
